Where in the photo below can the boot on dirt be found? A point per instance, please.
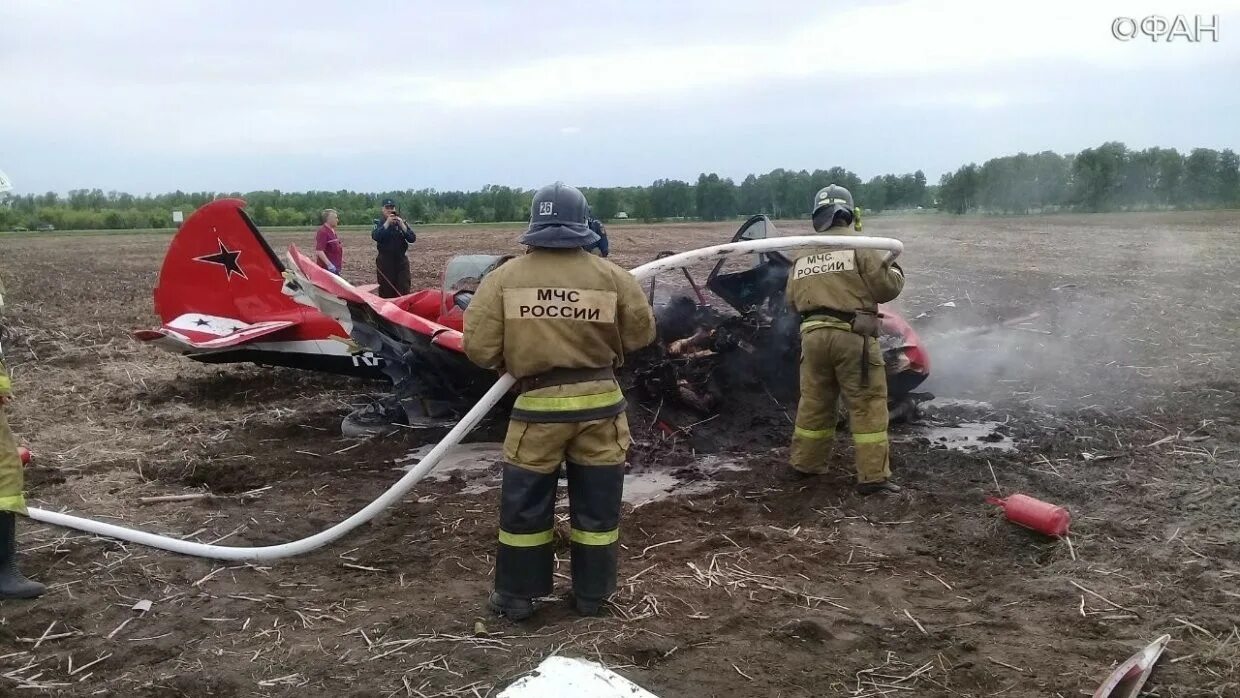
(595, 493)
(511, 607)
(587, 607)
(880, 487)
(797, 475)
(902, 411)
(13, 584)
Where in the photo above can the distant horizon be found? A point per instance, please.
(932, 179)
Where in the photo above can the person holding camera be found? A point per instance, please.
(392, 236)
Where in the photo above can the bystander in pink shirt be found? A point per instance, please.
(328, 251)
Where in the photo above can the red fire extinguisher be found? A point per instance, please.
(1035, 514)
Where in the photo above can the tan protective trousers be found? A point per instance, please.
(831, 366)
(594, 453)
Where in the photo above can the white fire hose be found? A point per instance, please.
(402, 486)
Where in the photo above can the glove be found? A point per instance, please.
(333, 268)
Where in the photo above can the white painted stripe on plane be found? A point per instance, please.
(330, 347)
(177, 344)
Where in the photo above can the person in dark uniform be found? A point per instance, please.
(392, 236)
(600, 247)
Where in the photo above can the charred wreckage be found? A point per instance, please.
(721, 343)
(224, 296)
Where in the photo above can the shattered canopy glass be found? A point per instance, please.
(757, 228)
(749, 281)
(465, 272)
(760, 228)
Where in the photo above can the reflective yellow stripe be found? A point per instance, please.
(525, 540)
(592, 538)
(813, 433)
(14, 503)
(818, 324)
(566, 404)
(874, 437)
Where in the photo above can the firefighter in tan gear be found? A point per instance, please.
(13, 585)
(837, 292)
(560, 320)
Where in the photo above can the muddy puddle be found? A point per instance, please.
(964, 436)
(476, 466)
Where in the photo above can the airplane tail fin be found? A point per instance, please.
(220, 265)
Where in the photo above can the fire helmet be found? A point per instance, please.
(558, 216)
(830, 202)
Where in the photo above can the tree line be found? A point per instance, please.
(1107, 178)
(781, 193)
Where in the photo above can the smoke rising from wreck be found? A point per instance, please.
(1060, 352)
(1056, 353)
(1080, 331)
(1067, 347)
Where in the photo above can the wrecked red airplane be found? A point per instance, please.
(224, 296)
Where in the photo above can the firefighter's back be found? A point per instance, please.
(560, 320)
(837, 292)
(562, 310)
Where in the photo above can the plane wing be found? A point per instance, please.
(196, 332)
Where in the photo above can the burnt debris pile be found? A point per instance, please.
(714, 380)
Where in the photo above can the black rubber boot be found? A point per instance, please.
(881, 487)
(525, 558)
(800, 475)
(902, 411)
(511, 607)
(13, 584)
(594, 496)
(587, 607)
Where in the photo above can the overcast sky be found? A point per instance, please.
(222, 95)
